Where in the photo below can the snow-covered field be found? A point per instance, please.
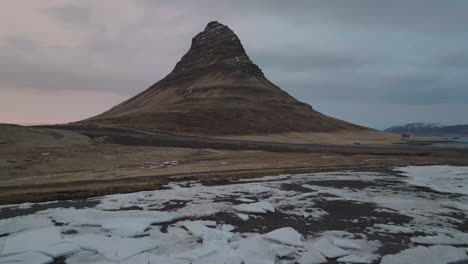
(344, 217)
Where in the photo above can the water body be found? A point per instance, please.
(458, 142)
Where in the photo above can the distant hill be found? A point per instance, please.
(427, 129)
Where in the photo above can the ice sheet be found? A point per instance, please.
(27, 258)
(122, 223)
(10, 227)
(34, 240)
(114, 248)
(454, 180)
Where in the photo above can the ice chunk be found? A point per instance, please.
(34, 240)
(114, 248)
(285, 235)
(196, 253)
(252, 251)
(243, 217)
(437, 240)
(155, 259)
(126, 227)
(245, 200)
(248, 208)
(227, 227)
(283, 251)
(344, 243)
(312, 256)
(208, 234)
(60, 249)
(208, 223)
(161, 259)
(352, 259)
(394, 229)
(27, 258)
(174, 186)
(420, 254)
(194, 227)
(328, 249)
(265, 206)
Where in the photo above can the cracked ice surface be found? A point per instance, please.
(346, 217)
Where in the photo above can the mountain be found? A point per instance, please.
(425, 129)
(215, 89)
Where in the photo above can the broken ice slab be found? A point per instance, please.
(420, 254)
(328, 249)
(60, 249)
(345, 243)
(437, 240)
(256, 208)
(245, 200)
(227, 227)
(353, 259)
(285, 235)
(196, 253)
(312, 256)
(264, 205)
(206, 233)
(248, 208)
(114, 248)
(283, 251)
(146, 258)
(252, 250)
(122, 223)
(11, 227)
(34, 240)
(27, 258)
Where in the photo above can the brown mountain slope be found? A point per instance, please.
(215, 89)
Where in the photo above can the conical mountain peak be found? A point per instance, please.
(216, 44)
(215, 89)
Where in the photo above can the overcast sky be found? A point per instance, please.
(375, 63)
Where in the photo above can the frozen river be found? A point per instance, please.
(401, 216)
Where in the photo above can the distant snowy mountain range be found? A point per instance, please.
(429, 129)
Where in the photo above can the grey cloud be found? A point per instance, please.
(70, 13)
(398, 53)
